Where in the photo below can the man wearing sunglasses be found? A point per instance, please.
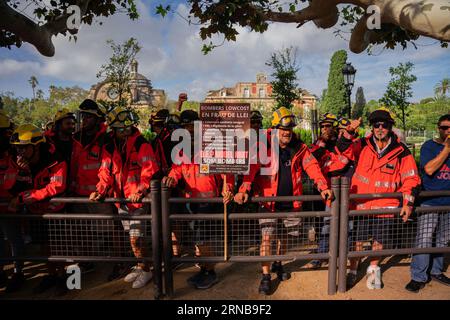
(60, 135)
(435, 167)
(128, 165)
(293, 159)
(383, 165)
(335, 161)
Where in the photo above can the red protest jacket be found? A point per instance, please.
(160, 144)
(267, 185)
(85, 163)
(48, 182)
(199, 185)
(123, 177)
(334, 162)
(394, 171)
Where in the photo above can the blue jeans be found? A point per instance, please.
(427, 224)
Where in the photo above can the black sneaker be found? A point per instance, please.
(207, 280)
(351, 281)
(277, 268)
(265, 286)
(3, 279)
(15, 283)
(61, 286)
(316, 264)
(441, 278)
(196, 277)
(415, 286)
(46, 283)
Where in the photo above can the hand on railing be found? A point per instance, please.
(327, 195)
(241, 197)
(406, 212)
(169, 182)
(136, 197)
(95, 196)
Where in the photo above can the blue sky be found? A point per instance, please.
(171, 58)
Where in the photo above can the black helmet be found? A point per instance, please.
(90, 106)
(255, 115)
(188, 117)
(160, 117)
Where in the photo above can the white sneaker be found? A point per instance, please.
(373, 277)
(132, 276)
(142, 279)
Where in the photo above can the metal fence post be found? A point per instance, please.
(343, 234)
(334, 237)
(155, 192)
(167, 241)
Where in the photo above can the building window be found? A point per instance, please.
(262, 94)
(224, 93)
(246, 93)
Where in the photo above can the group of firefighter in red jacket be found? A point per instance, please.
(97, 163)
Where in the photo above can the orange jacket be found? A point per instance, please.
(333, 160)
(267, 185)
(395, 171)
(199, 185)
(85, 163)
(124, 177)
(48, 182)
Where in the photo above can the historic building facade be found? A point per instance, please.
(259, 95)
(143, 96)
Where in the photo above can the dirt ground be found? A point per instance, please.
(240, 281)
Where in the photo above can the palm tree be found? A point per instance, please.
(34, 82)
(442, 87)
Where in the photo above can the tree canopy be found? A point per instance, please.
(400, 22)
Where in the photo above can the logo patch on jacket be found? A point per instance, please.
(390, 166)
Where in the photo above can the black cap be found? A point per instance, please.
(188, 116)
(380, 115)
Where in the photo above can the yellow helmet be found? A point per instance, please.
(329, 118)
(283, 117)
(62, 114)
(27, 134)
(344, 123)
(121, 117)
(5, 122)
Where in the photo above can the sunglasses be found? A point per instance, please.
(385, 125)
(444, 127)
(325, 126)
(122, 130)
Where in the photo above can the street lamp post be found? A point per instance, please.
(349, 80)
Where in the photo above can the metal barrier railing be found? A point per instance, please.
(95, 237)
(245, 231)
(74, 237)
(383, 226)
